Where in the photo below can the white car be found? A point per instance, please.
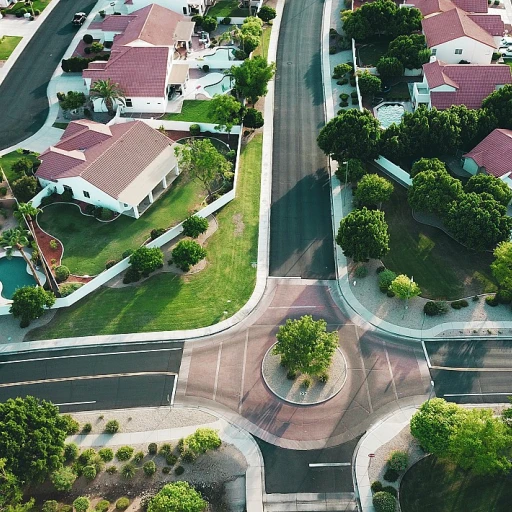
(505, 42)
(506, 52)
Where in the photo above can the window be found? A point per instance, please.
(86, 194)
(129, 102)
(458, 51)
(433, 51)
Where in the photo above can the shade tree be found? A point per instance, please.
(30, 302)
(225, 111)
(373, 190)
(389, 67)
(404, 287)
(489, 184)
(410, 50)
(177, 497)
(369, 84)
(427, 164)
(252, 77)
(501, 267)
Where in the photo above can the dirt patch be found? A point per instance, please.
(239, 225)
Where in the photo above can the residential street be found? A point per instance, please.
(23, 100)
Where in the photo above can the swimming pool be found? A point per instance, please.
(13, 275)
(389, 113)
(221, 87)
(221, 54)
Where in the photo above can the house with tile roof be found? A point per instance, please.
(186, 7)
(454, 35)
(122, 167)
(433, 7)
(445, 85)
(493, 156)
(142, 59)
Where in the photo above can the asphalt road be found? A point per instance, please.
(23, 100)
(472, 371)
(94, 378)
(301, 242)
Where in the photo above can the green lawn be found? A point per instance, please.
(369, 53)
(89, 243)
(38, 5)
(7, 46)
(441, 266)
(432, 485)
(398, 92)
(169, 302)
(7, 160)
(60, 126)
(227, 9)
(264, 42)
(193, 111)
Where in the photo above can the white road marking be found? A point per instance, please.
(243, 372)
(293, 307)
(478, 394)
(217, 372)
(426, 353)
(77, 403)
(89, 355)
(453, 369)
(174, 390)
(329, 464)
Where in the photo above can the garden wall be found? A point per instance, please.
(394, 171)
(413, 72)
(215, 63)
(354, 60)
(37, 199)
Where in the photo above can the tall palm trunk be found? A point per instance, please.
(30, 224)
(30, 264)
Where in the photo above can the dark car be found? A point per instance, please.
(79, 18)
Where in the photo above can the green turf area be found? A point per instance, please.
(37, 5)
(227, 9)
(369, 53)
(168, 302)
(7, 160)
(60, 126)
(89, 243)
(399, 91)
(7, 46)
(264, 42)
(442, 267)
(432, 485)
(193, 111)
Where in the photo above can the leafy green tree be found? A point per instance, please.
(491, 185)
(73, 100)
(225, 111)
(499, 105)
(32, 440)
(305, 346)
(253, 119)
(355, 170)
(404, 287)
(375, 18)
(434, 191)
(203, 440)
(410, 50)
(501, 267)
(50, 506)
(249, 34)
(481, 443)
(389, 67)
(29, 303)
(405, 21)
(478, 221)
(355, 25)
(252, 78)
(340, 70)
(352, 134)
(10, 489)
(194, 226)
(427, 164)
(109, 92)
(363, 234)
(202, 161)
(28, 506)
(267, 13)
(177, 497)
(81, 504)
(147, 259)
(369, 84)
(22, 167)
(187, 253)
(209, 24)
(25, 188)
(63, 479)
(372, 190)
(384, 502)
(434, 424)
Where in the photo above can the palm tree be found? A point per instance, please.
(17, 238)
(109, 92)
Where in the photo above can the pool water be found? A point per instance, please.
(389, 114)
(13, 275)
(221, 87)
(221, 54)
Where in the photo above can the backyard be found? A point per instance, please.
(227, 9)
(432, 484)
(9, 159)
(262, 49)
(37, 5)
(108, 240)
(442, 267)
(193, 111)
(168, 301)
(8, 45)
(369, 53)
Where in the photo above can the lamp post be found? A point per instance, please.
(346, 181)
(112, 4)
(431, 391)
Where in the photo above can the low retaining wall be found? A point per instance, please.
(394, 171)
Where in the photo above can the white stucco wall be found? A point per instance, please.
(470, 165)
(173, 5)
(150, 105)
(473, 51)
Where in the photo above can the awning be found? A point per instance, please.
(184, 30)
(179, 73)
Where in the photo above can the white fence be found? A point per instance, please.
(182, 126)
(38, 198)
(413, 72)
(354, 58)
(394, 171)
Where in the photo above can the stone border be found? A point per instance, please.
(337, 388)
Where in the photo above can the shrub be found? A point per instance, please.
(361, 271)
(147, 259)
(86, 457)
(434, 308)
(3, 191)
(124, 453)
(384, 502)
(240, 54)
(206, 68)
(391, 490)
(87, 39)
(194, 226)
(122, 503)
(149, 468)
(340, 70)
(131, 276)
(106, 214)
(152, 448)
(504, 296)
(495, 55)
(89, 472)
(155, 233)
(398, 460)
(165, 449)
(306, 383)
(37, 12)
(391, 475)
(71, 425)
(106, 454)
(127, 253)
(390, 293)
(203, 439)
(81, 504)
(53, 244)
(171, 459)
(103, 13)
(187, 253)
(188, 456)
(179, 471)
(291, 375)
(110, 264)
(323, 377)
(68, 288)
(96, 47)
(376, 486)
(353, 94)
(70, 452)
(181, 445)
(166, 470)
(102, 506)
(112, 427)
(63, 479)
(66, 508)
(344, 96)
(111, 470)
(386, 277)
(226, 21)
(491, 300)
(50, 506)
(87, 50)
(128, 470)
(194, 129)
(61, 273)
(138, 457)
(86, 428)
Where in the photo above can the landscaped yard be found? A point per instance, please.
(399, 91)
(89, 243)
(37, 5)
(264, 42)
(432, 485)
(169, 302)
(193, 111)
(369, 53)
(7, 45)
(9, 159)
(442, 267)
(227, 9)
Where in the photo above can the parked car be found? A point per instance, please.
(506, 52)
(79, 18)
(505, 42)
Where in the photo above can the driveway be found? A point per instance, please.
(23, 101)
(301, 242)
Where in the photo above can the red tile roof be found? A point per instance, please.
(116, 23)
(472, 5)
(491, 23)
(451, 25)
(494, 152)
(140, 71)
(428, 7)
(109, 162)
(472, 82)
